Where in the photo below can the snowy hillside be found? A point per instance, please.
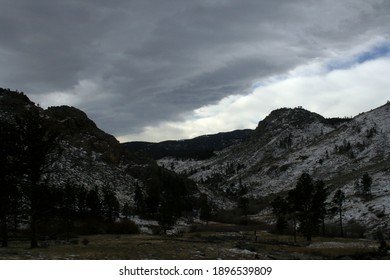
(83, 155)
(292, 141)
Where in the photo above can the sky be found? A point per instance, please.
(154, 70)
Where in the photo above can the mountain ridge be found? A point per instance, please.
(83, 154)
(339, 151)
(202, 146)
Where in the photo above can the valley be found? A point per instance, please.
(68, 186)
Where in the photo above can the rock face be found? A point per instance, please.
(289, 142)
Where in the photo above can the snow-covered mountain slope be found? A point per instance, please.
(291, 141)
(82, 155)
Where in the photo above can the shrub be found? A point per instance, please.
(354, 229)
(124, 226)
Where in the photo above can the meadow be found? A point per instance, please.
(212, 242)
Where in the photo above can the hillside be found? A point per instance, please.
(83, 153)
(58, 161)
(289, 142)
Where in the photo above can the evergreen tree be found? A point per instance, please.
(338, 200)
(38, 143)
(68, 208)
(152, 200)
(93, 203)
(9, 162)
(81, 200)
(139, 200)
(126, 210)
(320, 197)
(243, 201)
(110, 204)
(280, 208)
(366, 183)
(307, 200)
(166, 216)
(205, 209)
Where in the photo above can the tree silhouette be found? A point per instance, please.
(338, 200)
(280, 208)
(110, 204)
(9, 172)
(93, 203)
(243, 201)
(68, 206)
(307, 200)
(366, 183)
(38, 143)
(139, 200)
(205, 209)
(166, 216)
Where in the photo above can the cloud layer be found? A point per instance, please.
(170, 69)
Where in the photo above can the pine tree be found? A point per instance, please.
(205, 209)
(243, 201)
(139, 200)
(152, 200)
(338, 200)
(366, 183)
(320, 197)
(9, 173)
(126, 210)
(38, 143)
(280, 208)
(68, 208)
(166, 216)
(110, 204)
(93, 203)
(307, 200)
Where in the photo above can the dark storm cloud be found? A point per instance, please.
(132, 64)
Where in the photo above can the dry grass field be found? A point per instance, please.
(220, 244)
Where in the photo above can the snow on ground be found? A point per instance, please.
(361, 244)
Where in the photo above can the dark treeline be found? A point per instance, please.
(165, 197)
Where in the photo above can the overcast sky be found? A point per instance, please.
(155, 70)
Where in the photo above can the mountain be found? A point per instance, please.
(289, 142)
(58, 158)
(200, 147)
(83, 153)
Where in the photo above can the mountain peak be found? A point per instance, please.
(287, 118)
(13, 102)
(294, 116)
(71, 117)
